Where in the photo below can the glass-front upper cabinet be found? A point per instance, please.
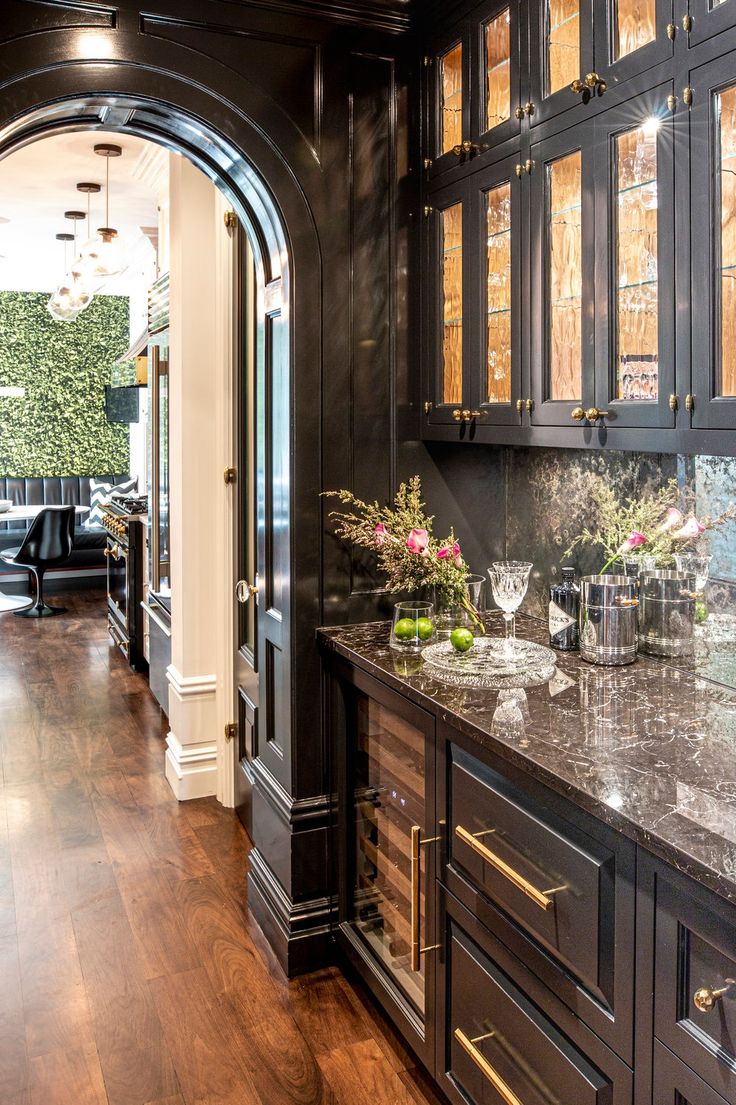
(712, 212)
(635, 263)
(473, 89)
(709, 18)
(581, 49)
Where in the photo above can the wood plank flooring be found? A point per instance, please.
(131, 972)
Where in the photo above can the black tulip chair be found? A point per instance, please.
(48, 543)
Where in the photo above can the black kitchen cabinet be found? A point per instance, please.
(616, 322)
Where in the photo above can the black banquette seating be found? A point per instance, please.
(89, 543)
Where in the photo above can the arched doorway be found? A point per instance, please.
(237, 156)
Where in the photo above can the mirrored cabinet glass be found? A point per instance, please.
(452, 303)
(451, 98)
(637, 307)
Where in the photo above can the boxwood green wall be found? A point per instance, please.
(59, 428)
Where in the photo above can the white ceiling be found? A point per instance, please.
(38, 184)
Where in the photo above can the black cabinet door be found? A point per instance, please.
(676, 1084)
(709, 18)
(630, 37)
(560, 52)
(387, 846)
(450, 340)
(635, 262)
(496, 60)
(713, 242)
(447, 99)
(563, 293)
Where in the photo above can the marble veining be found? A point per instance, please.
(649, 749)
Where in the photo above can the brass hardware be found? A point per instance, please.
(467, 415)
(417, 951)
(231, 220)
(519, 113)
(106, 552)
(689, 402)
(687, 95)
(230, 475)
(671, 101)
(539, 897)
(593, 414)
(687, 23)
(476, 414)
(457, 414)
(578, 414)
(591, 79)
(519, 170)
(426, 60)
(428, 211)
(528, 165)
(467, 146)
(529, 108)
(231, 730)
(577, 86)
(673, 402)
(428, 407)
(245, 591)
(704, 999)
(519, 405)
(501, 1087)
(464, 148)
(671, 30)
(427, 162)
(529, 405)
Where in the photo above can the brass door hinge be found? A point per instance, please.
(231, 730)
(689, 402)
(529, 405)
(428, 211)
(671, 30)
(687, 95)
(672, 101)
(231, 220)
(428, 407)
(426, 61)
(519, 406)
(673, 402)
(687, 23)
(230, 475)
(427, 162)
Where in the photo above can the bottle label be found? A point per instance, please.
(559, 619)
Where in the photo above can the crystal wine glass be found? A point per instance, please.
(509, 581)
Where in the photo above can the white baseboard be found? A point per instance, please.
(191, 770)
(191, 754)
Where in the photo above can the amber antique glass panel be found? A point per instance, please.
(727, 129)
(452, 298)
(498, 69)
(565, 276)
(451, 93)
(499, 295)
(389, 800)
(563, 43)
(636, 25)
(637, 309)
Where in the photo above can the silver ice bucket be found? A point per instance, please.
(608, 630)
(667, 613)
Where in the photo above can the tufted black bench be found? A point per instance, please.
(56, 491)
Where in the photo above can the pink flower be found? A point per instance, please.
(417, 542)
(451, 551)
(692, 528)
(633, 541)
(381, 533)
(672, 518)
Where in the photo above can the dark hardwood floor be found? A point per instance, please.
(130, 970)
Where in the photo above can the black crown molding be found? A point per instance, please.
(384, 15)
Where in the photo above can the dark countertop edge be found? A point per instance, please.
(670, 853)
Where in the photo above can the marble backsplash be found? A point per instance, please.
(547, 503)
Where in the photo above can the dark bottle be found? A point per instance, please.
(564, 601)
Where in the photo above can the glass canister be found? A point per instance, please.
(667, 613)
(608, 622)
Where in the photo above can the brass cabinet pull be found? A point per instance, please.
(592, 414)
(529, 108)
(577, 414)
(466, 415)
(519, 113)
(417, 951)
(485, 1067)
(589, 86)
(457, 414)
(704, 999)
(539, 897)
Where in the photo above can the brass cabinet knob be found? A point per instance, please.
(704, 999)
(457, 414)
(593, 414)
(578, 414)
(577, 86)
(519, 113)
(529, 108)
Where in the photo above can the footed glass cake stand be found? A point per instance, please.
(488, 664)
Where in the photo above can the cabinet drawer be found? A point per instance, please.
(501, 1046)
(695, 957)
(554, 879)
(676, 1084)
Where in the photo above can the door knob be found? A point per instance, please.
(704, 999)
(244, 591)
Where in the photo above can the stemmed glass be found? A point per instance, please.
(509, 581)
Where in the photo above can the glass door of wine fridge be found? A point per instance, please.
(390, 849)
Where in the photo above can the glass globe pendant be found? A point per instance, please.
(102, 257)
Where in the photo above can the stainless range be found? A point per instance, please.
(125, 557)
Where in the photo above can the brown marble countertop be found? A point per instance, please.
(649, 749)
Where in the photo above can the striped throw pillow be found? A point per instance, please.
(99, 496)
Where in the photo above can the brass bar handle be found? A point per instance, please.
(539, 897)
(705, 999)
(417, 951)
(486, 1069)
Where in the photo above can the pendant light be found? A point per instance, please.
(74, 295)
(58, 306)
(102, 256)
